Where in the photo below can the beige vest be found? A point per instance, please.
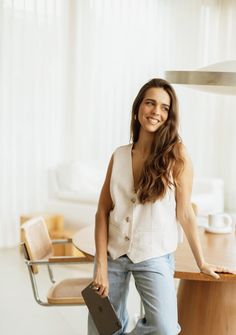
(140, 231)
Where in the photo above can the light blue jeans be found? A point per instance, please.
(155, 283)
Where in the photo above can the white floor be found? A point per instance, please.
(21, 315)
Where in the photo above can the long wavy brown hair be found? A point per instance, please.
(165, 163)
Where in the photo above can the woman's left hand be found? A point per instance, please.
(213, 270)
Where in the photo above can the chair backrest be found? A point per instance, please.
(37, 241)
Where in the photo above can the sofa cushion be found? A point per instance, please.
(82, 180)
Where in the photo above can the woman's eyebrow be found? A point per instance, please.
(150, 99)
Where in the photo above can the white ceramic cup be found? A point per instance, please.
(219, 220)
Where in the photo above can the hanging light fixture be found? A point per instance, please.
(219, 78)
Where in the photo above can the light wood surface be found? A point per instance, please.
(219, 249)
(206, 306)
(84, 240)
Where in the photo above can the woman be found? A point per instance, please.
(146, 194)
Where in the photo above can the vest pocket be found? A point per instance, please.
(149, 243)
(116, 238)
(114, 232)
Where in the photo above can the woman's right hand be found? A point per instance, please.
(100, 281)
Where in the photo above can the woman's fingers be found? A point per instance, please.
(213, 270)
(103, 292)
(100, 289)
(214, 274)
(210, 272)
(224, 269)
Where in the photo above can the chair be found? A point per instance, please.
(38, 251)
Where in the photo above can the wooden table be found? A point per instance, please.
(206, 306)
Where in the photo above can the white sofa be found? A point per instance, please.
(74, 191)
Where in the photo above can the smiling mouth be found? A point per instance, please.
(153, 121)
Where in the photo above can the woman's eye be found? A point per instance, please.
(150, 103)
(166, 109)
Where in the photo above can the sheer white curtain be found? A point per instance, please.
(121, 44)
(69, 73)
(32, 106)
(208, 120)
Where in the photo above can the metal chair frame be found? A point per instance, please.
(51, 261)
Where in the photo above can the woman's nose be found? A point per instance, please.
(156, 110)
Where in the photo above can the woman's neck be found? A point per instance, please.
(144, 143)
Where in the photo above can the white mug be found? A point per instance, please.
(219, 220)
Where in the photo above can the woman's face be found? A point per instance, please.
(154, 109)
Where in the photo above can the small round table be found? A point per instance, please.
(206, 305)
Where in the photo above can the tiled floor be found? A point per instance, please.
(21, 315)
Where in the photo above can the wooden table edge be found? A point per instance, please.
(199, 276)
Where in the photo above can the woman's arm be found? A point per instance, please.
(105, 205)
(187, 218)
